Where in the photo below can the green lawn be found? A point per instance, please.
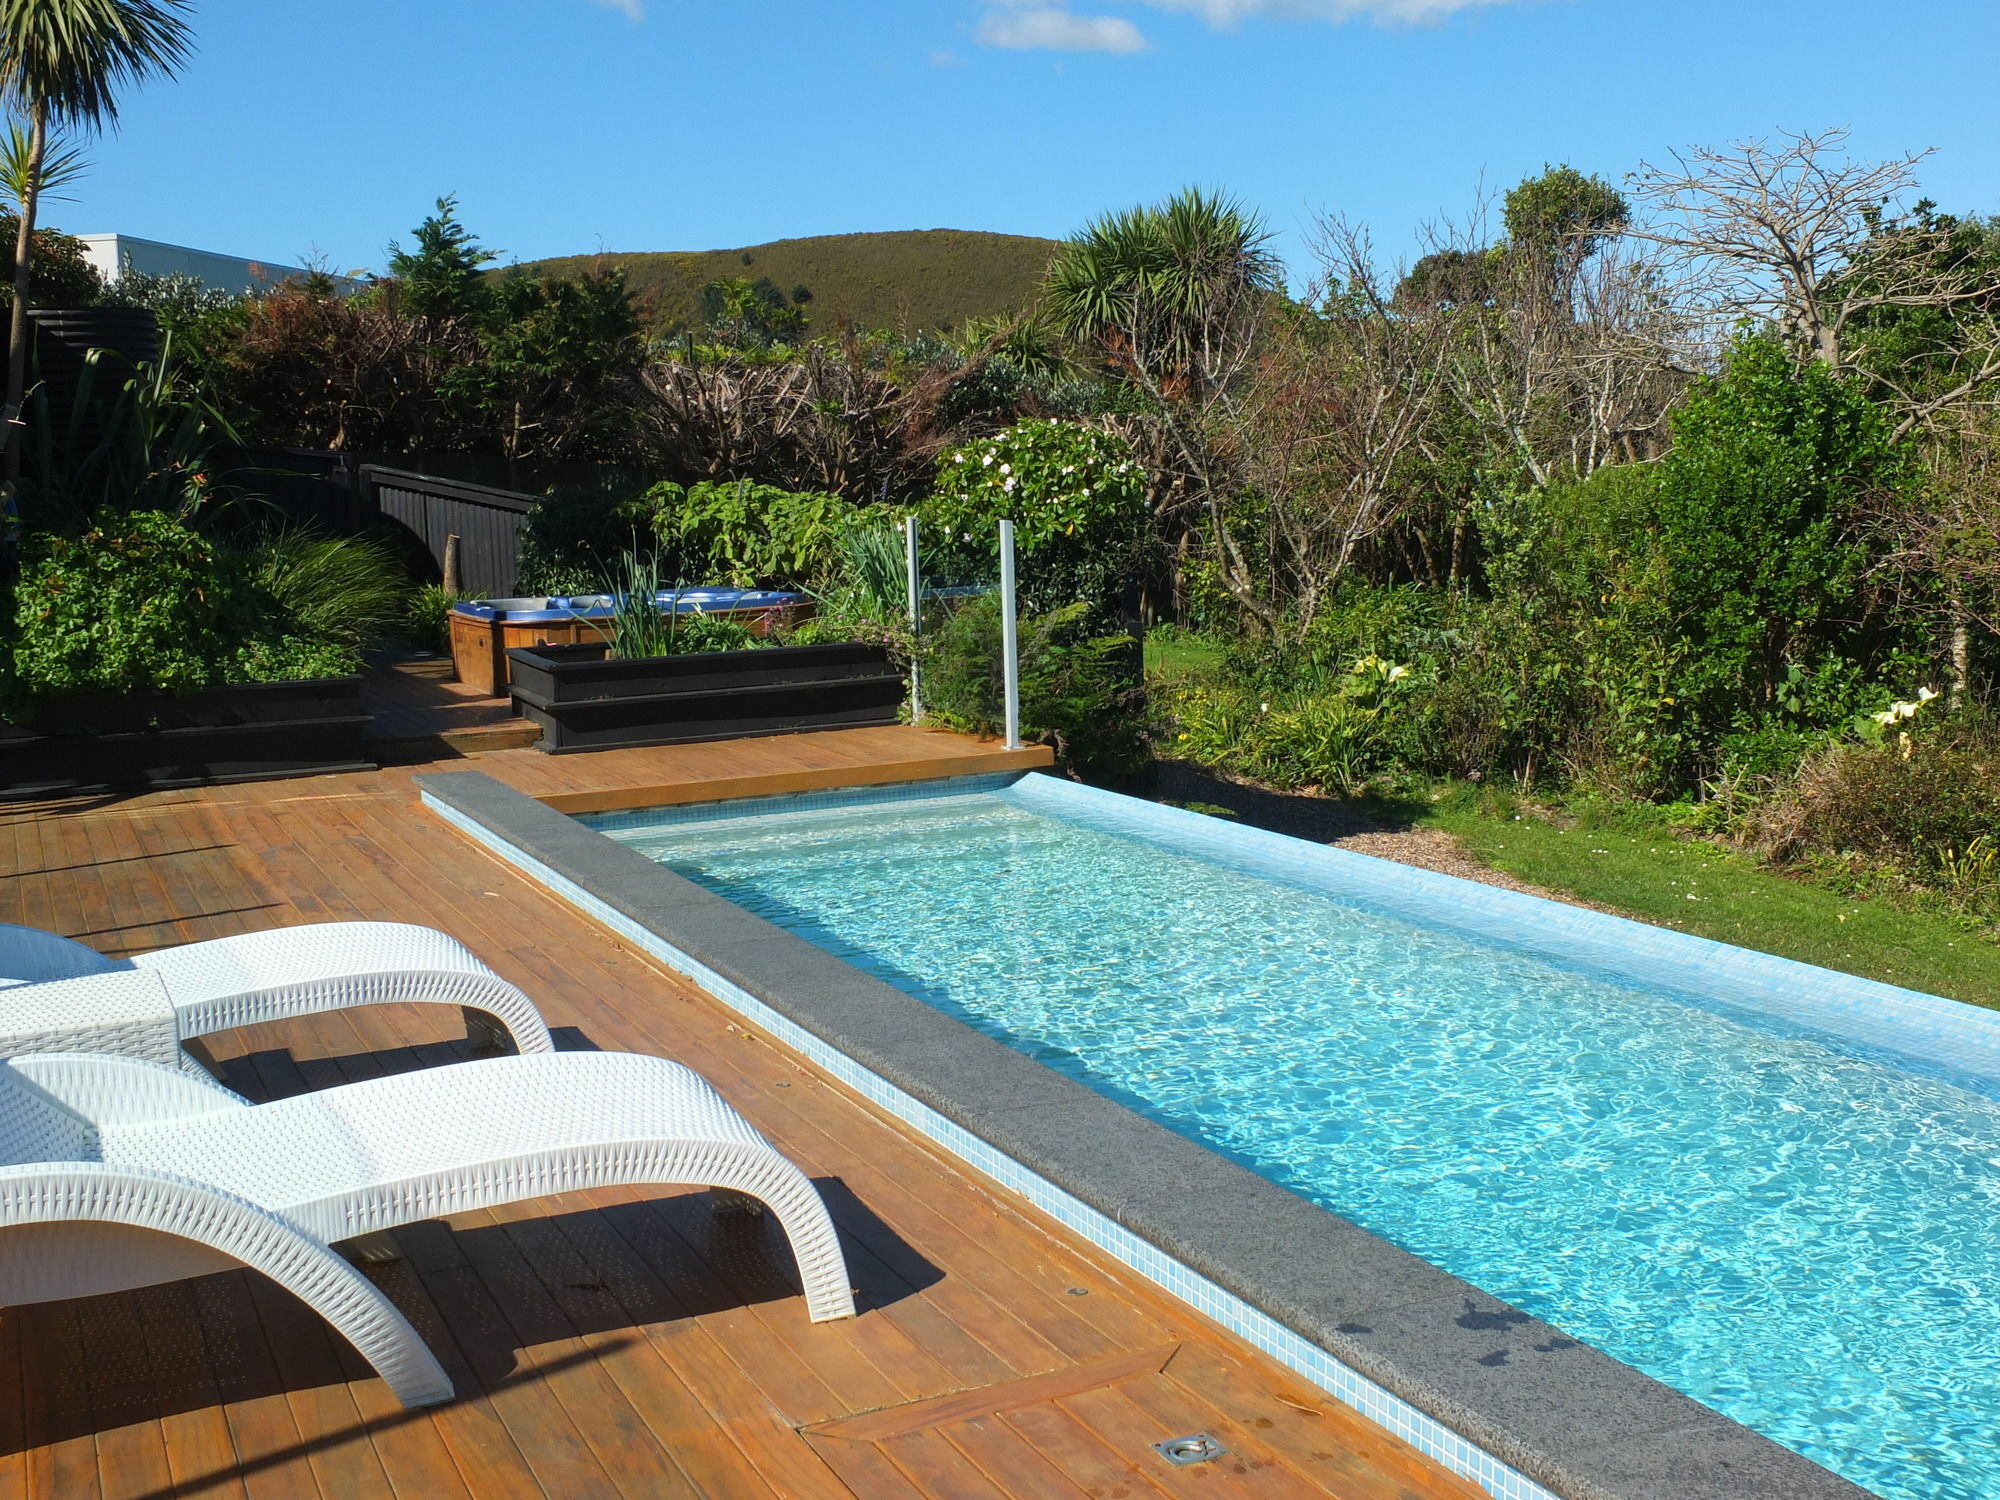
(1697, 888)
(1178, 655)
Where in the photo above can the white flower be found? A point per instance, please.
(986, 460)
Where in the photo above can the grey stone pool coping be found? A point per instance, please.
(1565, 1415)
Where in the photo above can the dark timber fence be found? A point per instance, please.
(487, 523)
(342, 494)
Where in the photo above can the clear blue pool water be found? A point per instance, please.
(1801, 1237)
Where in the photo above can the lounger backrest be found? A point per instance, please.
(36, 1128)
(29, 955)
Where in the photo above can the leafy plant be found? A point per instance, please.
(1075, 496)
(1075, 691)
(698, 631)
(427, 616)
(752, 535)
(1334, 739)
(876, 569)
(346, 590)
(638, 629)
(133, 605)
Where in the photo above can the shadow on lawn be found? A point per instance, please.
(1321, 820)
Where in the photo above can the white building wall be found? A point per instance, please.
(112, 254)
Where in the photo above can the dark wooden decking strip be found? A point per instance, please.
(619, 1343)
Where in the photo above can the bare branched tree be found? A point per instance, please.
(1792, 232)
(1565, 361)
(1939, 547)
(1341, 395)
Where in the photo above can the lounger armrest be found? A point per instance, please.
(95, 1193)
(123, 1011)
(113, 1091)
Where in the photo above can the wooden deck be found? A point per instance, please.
(621, 1343)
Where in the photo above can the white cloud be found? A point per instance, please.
(632, 10)
(1022, 27)
(1389, 12)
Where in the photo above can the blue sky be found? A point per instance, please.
(571, 125)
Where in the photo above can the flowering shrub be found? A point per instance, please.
(1074, 494)
(1049, 478)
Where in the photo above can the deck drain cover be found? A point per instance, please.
(1196, 1449)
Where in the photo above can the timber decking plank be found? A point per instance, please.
(942, 1411)
(56, 1396)
(1078, 1452)
(1249, 1469)
(338, 1446)
(1317, 1433)
(634, 1460)
(535, 1420)
(1000, 1455)
(263, 1429)
(740, 1405)
(200, 1454)
(682, 1426)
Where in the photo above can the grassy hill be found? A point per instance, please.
(906, 279)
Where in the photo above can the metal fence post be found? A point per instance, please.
(915, 572)
(1010, 640)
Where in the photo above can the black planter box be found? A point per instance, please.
(141, 741)
(583, 700)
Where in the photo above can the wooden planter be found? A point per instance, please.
(483, 636)
(583, 700)
(143, 741)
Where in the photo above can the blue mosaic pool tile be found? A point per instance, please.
(1948, 1038)
(860, 796)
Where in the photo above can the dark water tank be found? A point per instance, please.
(64, 336)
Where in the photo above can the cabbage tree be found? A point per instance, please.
(62, 64)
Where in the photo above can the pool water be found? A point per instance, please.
(1796, 1234)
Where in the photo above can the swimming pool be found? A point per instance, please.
(1794, 1228)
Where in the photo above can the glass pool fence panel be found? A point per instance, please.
(966, 663)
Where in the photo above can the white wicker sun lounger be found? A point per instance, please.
(62, 996)
(117, 1173)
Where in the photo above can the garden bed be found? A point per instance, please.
(146, 741)
(584, 700)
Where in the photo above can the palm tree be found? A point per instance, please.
(1168, 292)
(62, 63)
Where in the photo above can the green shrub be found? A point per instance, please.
(427, 616)
(1075, 494)
(1906, 803)
(752, 535)
(286, 658)
(133, 605)
(697, 632)
(142, 602)
(1076, 691)
(1337, 739)
(571, 542)
(1758, 550)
